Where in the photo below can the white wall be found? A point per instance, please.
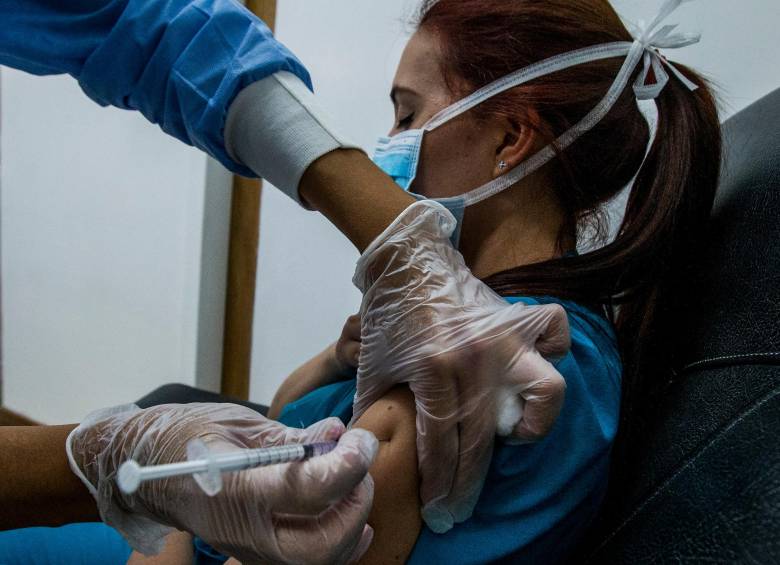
(305, 266)
(102, 216)
(101, 242)
(738, 49)
(351, 48)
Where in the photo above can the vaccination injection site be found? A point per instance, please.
(452, 282)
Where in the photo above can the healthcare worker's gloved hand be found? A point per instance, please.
(474, 363)
(346, 350)
(313, 511)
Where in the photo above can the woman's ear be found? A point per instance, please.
(518, 144)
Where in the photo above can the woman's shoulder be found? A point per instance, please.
(588, 422)
(334, 399)
(539, 496)
(594, 345)
(591, 318)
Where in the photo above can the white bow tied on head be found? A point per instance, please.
(652, 40)
(647, 40)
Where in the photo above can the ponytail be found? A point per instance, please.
(636, 275)
(663, 228)
(664, 225)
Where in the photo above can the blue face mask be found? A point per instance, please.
(399, 155)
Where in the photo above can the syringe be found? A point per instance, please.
(207, 467)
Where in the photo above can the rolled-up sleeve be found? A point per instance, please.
(178, 62)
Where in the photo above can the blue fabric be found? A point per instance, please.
(537, 499)
(75, 544)
(179, 62)
(536, 502)
(204, 554)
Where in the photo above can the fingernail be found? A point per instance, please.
(462, 512)
(365, 542)
(334, 430)
(438, 519)
(368, 445)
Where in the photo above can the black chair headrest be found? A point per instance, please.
(700, 479)
(734, 302)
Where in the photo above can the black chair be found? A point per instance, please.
(705, 477)
(184, 394)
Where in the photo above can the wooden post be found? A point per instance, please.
(242, 264)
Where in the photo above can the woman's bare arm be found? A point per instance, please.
(37, 487)
(318, 371)
(395, 514)
(178, 550)
(336, 362)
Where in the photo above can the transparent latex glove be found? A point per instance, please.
(313, 511)
(347, 347)
(475, 364)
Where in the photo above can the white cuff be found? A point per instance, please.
(276, 128)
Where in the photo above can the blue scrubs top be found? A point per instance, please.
(539, 498)
(178, 62)
(91, 543)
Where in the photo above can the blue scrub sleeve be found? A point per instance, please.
(91, 543)
(178, 62)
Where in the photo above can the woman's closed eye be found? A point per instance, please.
(404, 123)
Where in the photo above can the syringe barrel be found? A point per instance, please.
(172, 469)
(233, 461)
(249, 458)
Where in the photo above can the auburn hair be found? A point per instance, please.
(634, 275)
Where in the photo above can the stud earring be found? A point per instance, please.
(501, 165)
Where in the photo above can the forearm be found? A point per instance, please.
(320, 370)
(354, 194)
(38, 487)
(276, 128)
